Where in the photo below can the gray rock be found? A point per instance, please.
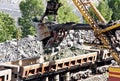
(23, 48)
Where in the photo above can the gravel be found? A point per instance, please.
(102, 77)
(30, 47)
(23, 48)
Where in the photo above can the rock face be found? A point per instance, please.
(23, 48)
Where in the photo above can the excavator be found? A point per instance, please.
(52, 33)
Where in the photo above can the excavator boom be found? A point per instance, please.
(103, 34)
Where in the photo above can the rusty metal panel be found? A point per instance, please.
(25, 62)
(42, 31)
(114, 74)
(30, 70)
(5, 75)
(15, 70)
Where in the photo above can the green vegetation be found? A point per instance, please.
(115, 6)
(32, 8)
(7, 27)
(109, 9)
(65, 13)
(29, 9)
(105, 10)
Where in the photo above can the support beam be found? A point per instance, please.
(56, 77)
(67, 76)
(45, 78)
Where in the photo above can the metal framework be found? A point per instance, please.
(100, 34)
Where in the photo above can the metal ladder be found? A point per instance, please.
(106, 42)
(80, 5)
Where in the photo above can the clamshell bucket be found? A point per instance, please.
(42, 30)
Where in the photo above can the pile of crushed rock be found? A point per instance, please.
(102, 77)
(31, 47)
(19, 49)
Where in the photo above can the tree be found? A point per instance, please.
(105, 10)
(65, 13)
(29, 9)
(115, 5)
(7, 27)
